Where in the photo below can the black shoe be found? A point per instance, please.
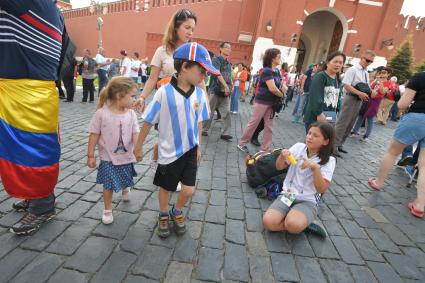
(30, 223)
(405, 161)
(317, 228)
(204, 134)
(21, 205)
(336, 154)
(68, 101)
(255, 142)
(62, 97)
(340, 149)
(226, 137)
(164, 226)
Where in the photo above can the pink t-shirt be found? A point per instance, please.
(116, 133)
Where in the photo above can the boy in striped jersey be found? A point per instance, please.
(179, 108)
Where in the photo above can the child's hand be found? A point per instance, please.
(285, 153)
(309, 164)
(91, 162)
(138, 153)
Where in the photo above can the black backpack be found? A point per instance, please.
(261, 168)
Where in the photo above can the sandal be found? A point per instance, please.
(372, 183)
(414, 211)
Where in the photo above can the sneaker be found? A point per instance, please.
(125, 195)
(317, 228)
(107, 217)
(353, 134)
(204, 134)
(179, 224)
(21, 205)
(163, 226)
(364, 139)
(179, 187)
(405, 161)
(243, 148)
(226, 137)
(30, 223)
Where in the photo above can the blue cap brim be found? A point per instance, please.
(210, 68)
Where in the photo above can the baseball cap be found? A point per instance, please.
(193, 51)
(123, 53)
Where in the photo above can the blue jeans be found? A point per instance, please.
(300, 104)
(359, 123)
(103, 79)
(393, 112)
(234, 100)
(42, 205)
(408, 151)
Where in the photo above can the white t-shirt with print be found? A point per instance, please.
(135, 64)
(301, 180)
(164, 61)
(126, 63)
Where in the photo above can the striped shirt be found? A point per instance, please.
(178, 118)
(30, 39)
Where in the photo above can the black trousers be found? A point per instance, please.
(60, 90)
(258, 130)
(88, 86)
(68, 82)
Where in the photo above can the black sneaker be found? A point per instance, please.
(179, 224)
(226, 137)
(317, 228)
(21, 205)
(405, 161)
(30, 223)
(255, 142)
(341, 149)
(163, 226)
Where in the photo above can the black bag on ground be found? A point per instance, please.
(261, 168)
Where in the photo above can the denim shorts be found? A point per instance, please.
(411, 129)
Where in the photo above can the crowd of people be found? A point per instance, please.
(332, 99)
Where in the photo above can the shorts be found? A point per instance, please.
(309, 209)
(182, 170)
(411, 129)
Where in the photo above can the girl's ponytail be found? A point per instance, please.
(117, 86)
(103, 97)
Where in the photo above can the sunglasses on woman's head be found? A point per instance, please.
(184, 14)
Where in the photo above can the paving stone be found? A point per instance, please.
(197, 211)
(74, 211)
(336, 271)
(92, 196)
(218, 183)
(235, 209)
(404, 266)
(347, 250)
(367, 250)
(178, 272)
(251, 200)
(73, 237)
(284, 267)
(383, 272)
(340, 212)
(254, 220)
(218, 198)
(300, 245)
(6, 205)
(68, 276)
(65, 199)
(276, 242)
(91, 254)
(137, 199)
(14, 262)
(69, 181)
(40, 269)
(235, 231)
(349, 203)
(10, 219)
(309, 270)
(194, 228)
(118, 228)
(236, 265)
(136, 239)
(260, 269)
(334, 228)
(209, 264)
(9, 242)
(153, 262)
(185, 250)
(362, 274)
(200, 196)
(115, 268)
(148, 219)
(169, 242)
(139, 279)
(396, 235)
(213, 236)
(375, 214)
(256, 244)
(323, 247)
(416, 255)
(363, 219)
(40, 240)
(352, 229)
(215, 214)
(234, 192)
(382, 241)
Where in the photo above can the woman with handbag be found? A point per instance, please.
(268, 93)
(379, 90)
(324, 92)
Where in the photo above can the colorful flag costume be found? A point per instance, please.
(30, 49)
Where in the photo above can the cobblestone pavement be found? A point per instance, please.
(373, 237)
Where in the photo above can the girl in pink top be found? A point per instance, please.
(114, 129)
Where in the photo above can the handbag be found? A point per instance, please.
(331, 116)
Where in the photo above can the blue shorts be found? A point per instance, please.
(411, 129)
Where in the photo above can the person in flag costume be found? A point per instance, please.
(30, 52)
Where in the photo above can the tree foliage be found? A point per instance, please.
(402, 61)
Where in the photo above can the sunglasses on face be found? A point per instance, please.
(368, 60)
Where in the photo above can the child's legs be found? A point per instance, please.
(107, 198)
(274, 217)
(358, 125)
(369, 126)
(420, 186)
(300, 216)
(388, 160)
(155, 152)
(184, 195)
(187, 177)
(163, 197)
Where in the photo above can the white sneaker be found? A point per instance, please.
(179, 187)
(107, 217)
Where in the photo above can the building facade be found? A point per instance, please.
(305, 30)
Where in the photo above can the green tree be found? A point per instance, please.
(401, 62)
(421, 66)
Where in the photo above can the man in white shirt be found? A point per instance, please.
(135, 66)
(125, 66)
(103, 65)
